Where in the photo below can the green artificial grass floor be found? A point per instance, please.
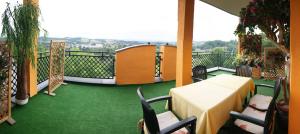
(87, 109)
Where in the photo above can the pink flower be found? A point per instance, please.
(252, 10)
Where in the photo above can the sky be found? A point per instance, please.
(149, 20)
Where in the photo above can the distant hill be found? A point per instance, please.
(209, 45)
(114, 44)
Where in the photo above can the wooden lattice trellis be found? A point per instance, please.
(5, 84)
(56, 65)
(274, 63)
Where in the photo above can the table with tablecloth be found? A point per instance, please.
(211, 100)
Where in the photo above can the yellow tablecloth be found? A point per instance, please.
(210, 102)
(241, 85)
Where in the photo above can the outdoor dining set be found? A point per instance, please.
(207, 104)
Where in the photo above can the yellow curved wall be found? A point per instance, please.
(168, 63)
(135, 65)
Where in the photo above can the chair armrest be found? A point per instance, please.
(250, 119)
(188, 122)
(197, 79)
(161, 98)
(264, 85)
(261, 85)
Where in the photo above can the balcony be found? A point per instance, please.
(97, 101)
(85, 106)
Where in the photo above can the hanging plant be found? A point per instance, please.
(270, 16)
(21, 29)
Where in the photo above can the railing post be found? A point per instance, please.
(218, 60)
(113, 67)
(160, 59)
(219, 55)
(157, 64)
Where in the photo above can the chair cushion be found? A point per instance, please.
(167, 119)
(250, 127)
(260, 101)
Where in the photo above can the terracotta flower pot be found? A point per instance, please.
(256, 73)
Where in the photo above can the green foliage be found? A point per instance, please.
(271, 17)
(251, 44)
(238, 60)
(208, 45)
(4, 68)
(74, 49)
(86, 53)
(222, 59)
(42, 48)
(218, 50)
(21, 28)
(251, 60)
(42, 42)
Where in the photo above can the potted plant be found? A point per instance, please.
(21, 29)
(256, 64)
(238, 60)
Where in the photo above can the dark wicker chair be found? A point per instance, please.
(243, 70)
(153, 123)
(200, 73)
(256, 118)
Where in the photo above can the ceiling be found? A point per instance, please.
(230, 6)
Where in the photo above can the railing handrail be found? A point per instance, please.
(108, 53)
(79, 51)
(158, 52)
(213, 53)
(43, 52)
(89, 51)
(97, 53)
